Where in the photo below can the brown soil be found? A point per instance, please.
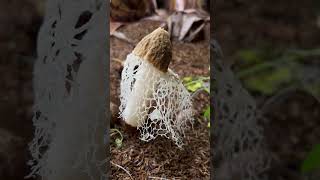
(161, 157)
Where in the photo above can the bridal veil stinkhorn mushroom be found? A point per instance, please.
(153, 98)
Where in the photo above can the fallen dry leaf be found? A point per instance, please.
(187, 22)
(186, 25)
(193, 34)
(114, 26)
(175, 23)
(113, 32)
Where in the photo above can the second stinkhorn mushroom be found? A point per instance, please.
(153, 98)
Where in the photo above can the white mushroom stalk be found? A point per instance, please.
(153, 98)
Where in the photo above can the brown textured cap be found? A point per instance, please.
(156, 48)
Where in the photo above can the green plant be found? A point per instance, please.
(312, 161)
(196, 83)
(206, 115)
(267, 74)
(117, 141)
(266, 71)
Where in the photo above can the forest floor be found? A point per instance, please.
(161, 157)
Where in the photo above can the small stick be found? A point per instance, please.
(197, 92)
(122, 37)
(122, 169)
(151, 177)
(118, 60)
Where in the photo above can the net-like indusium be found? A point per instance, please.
(155, 102)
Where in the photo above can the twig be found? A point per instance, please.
(122, 169)
(116, 131)
(197, 92)
(173, 74)
(118, 60)
(151, 177)
(122, 37)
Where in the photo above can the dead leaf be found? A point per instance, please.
(114, 26)
(186, 26)
(175, 23)
(188, 20)
(193, 34)
(122, 36)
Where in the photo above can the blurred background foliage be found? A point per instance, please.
(273, 48)
(267, 71)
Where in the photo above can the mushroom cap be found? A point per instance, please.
(156, 48)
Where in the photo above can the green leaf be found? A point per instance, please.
(206, 113)
(194, 86)
(195, 83)
(187, 79)
(312, 161)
